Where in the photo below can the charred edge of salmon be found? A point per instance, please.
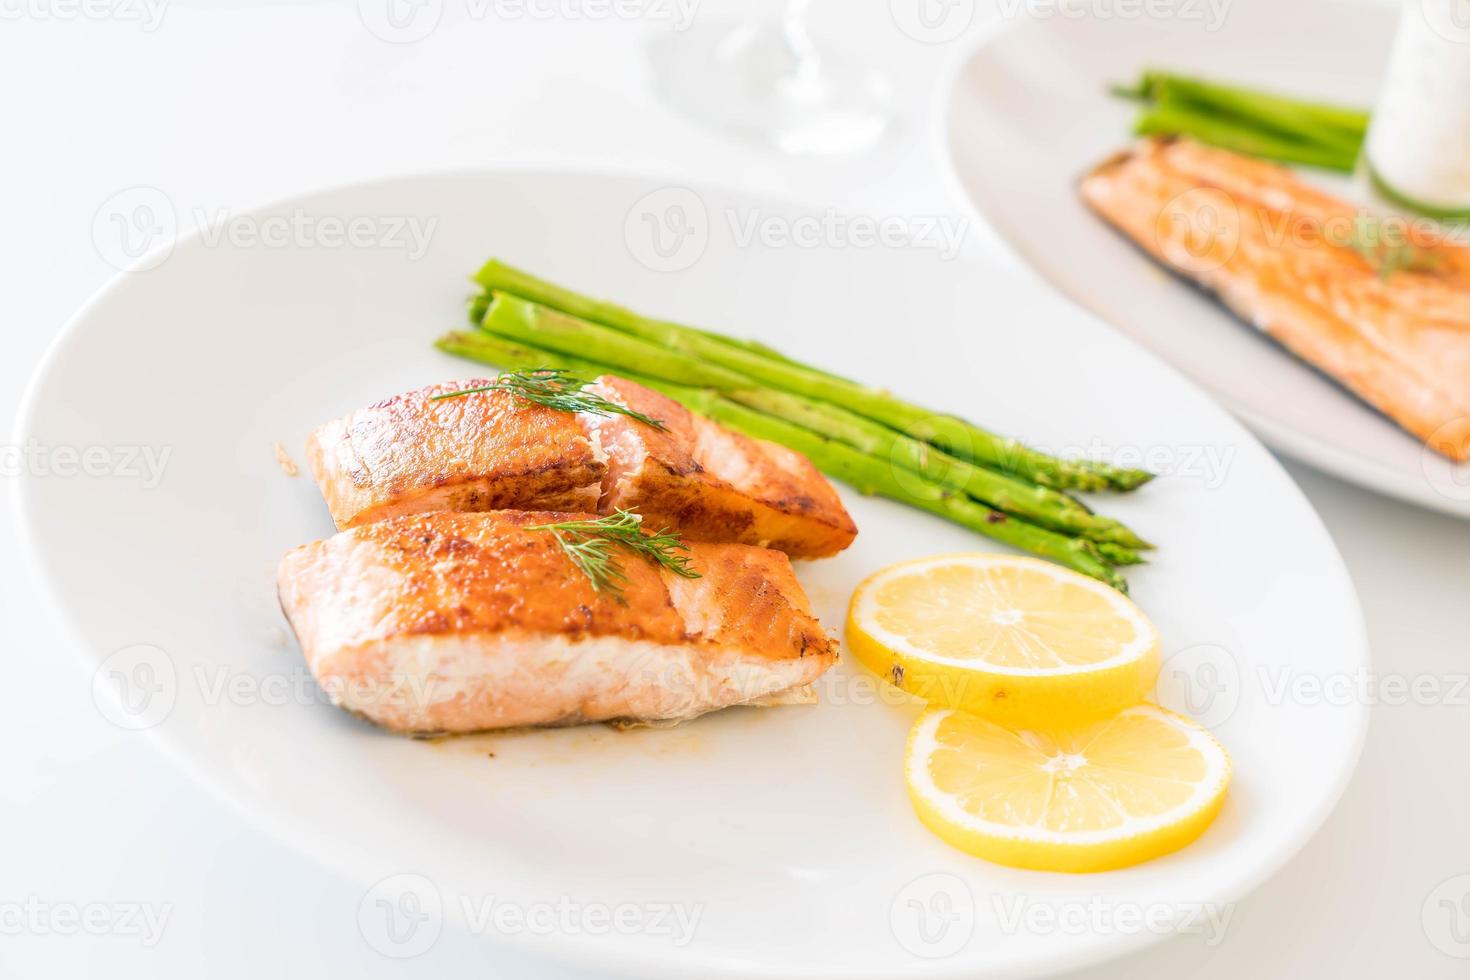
(1240, 319)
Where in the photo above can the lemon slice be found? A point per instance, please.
(1085, 798)
(1020, 641)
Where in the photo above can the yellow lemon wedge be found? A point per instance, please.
(1091, 797)
(1020, 641)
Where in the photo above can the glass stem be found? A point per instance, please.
(807, 61)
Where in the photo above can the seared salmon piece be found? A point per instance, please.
(455, 622)
(410, 454)
(1290, 260)
(713, 484)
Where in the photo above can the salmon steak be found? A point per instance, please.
(412, 454)
(493, 450)
(460, 622)
(710, 483)
(1383, 308)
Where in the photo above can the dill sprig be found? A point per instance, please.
(556, 389)
(1388, 251)
(590, 546)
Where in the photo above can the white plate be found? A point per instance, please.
(789, 828)
(1028, 113)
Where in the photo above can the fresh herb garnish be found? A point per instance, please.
(1388, 251)
(590, 544)
(557, 389)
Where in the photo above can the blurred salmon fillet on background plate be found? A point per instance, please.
(1389, 319)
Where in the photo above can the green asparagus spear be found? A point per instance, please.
(868, 474)
(1170, 119)
(954, 436)
(1049, 508)
(1295, 118)
(1041, 505)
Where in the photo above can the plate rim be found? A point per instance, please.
(320, 848)
(1360, 471)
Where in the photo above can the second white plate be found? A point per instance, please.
(1028, 112)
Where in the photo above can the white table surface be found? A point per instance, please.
(226, 103)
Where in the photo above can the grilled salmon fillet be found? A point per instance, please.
(462, 622)
(410, 454)
(1282, 257)
(710, 483)
(492, 451)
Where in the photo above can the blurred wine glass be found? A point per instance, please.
(767, 80)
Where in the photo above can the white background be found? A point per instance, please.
(229, 103)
